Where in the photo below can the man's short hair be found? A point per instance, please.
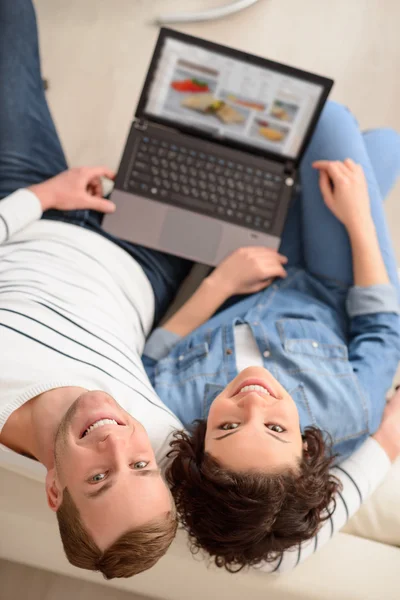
(135, 551)
(243, 518)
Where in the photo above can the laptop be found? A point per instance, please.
(211, 161)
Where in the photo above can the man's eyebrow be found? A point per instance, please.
(146, 472)
(109, 484)
(268, 432)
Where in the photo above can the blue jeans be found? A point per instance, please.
(313, 238)
(31, 152)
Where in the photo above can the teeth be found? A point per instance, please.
(100, 423)
(255, 388)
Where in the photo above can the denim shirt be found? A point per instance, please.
(334, 349)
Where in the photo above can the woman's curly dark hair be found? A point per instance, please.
(241, 519)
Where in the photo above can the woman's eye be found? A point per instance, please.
(141, 464)
(227, 426)
(97, 478)
(275, 428)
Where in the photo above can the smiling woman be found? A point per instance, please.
(269, 481)
(291, 380)
(241, 517)
(260, 413)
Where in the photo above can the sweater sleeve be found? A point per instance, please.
(360, 476)
(17, 211)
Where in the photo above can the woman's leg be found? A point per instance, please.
(30, 150)
(381, 146)
(327, 251)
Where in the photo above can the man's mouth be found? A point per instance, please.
(100, 423)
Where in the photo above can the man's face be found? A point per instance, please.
(105, 459)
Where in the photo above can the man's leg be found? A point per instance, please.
(30, 151)
(292, 237)
(164, 271)
(327, 251)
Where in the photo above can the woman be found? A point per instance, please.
(313, 352)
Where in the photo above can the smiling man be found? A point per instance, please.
(103, 479)
(75, 308)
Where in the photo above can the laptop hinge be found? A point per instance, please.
(140, 124)
(289, 167)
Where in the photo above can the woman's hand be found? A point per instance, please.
(345, 191)
(76, 189)
(388, 434)
(248, 270)
(245, 271)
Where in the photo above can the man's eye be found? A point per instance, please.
(275, 428)
(227, 426)
(142, 464)
(97, 478)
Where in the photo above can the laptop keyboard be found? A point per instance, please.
(205, 183)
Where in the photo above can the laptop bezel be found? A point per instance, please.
(167, 33)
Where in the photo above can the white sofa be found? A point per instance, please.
(361, 563)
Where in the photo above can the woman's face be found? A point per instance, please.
(253, 425)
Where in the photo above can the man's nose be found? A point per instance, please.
(115, 440)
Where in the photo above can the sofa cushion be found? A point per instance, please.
(379, 518)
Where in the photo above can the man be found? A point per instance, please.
(75, 307)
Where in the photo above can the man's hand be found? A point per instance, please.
(388, 434)
(345, 191)
(76, 189)
(248, 270)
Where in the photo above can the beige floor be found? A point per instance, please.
(19, 582)
(95, 54)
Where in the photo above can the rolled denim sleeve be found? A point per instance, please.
(160, 343)
(374, 353)
(372, 299)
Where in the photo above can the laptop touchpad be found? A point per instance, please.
(190, 234)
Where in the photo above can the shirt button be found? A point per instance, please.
(315, 344)
(266, 353)
(256, 323)
(228, 351)
(181, 357)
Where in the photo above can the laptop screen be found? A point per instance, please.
(226, 97)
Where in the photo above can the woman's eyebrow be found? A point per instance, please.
(267, 432)
(226, 435)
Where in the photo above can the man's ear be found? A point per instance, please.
(53, 490)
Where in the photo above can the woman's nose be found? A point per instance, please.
(254, 402)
